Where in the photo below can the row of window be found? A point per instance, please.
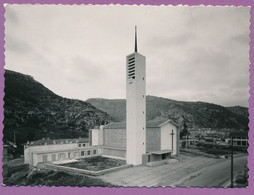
(88, 152)
(240, 143)
(62, 156)
(83, 145)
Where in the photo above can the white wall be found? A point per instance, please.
(35, 159)
(38, 157)
(166, 137)
(101, 135)
(136, 112)
(95, 137)
(27, 156)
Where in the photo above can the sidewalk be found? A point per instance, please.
(140, 176)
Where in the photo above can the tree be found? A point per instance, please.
(184, 131)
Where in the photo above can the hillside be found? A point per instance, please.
(195, 114)
(35, 112)
(243, 111)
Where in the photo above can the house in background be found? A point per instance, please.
(239, 139)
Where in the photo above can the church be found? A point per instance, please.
(137, 141)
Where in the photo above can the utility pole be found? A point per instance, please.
(232, 162)
(186, 138)
(172, 134)
(14, 138)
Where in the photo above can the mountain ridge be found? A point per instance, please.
(181, 111)
(34, 112)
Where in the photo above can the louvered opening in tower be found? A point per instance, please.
(131, 67)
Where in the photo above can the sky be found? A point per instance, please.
(79, 51)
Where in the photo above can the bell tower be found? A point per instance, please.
(135, 106)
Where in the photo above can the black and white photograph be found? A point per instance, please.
(126, 96)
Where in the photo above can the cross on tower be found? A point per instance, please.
(172, 134)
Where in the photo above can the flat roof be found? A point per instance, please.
(65, 150)
(48, 141)
(161, 152)
(238, 134)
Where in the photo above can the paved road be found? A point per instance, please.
(189, 171)
(216, 175)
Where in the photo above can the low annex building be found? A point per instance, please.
(48, 150)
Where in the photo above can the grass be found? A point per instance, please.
(97, 163)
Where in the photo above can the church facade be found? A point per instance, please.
(161, 140)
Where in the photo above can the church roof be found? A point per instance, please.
(160, 122)
(117, 125)
(149, 124)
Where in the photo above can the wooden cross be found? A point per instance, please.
(172, 138)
